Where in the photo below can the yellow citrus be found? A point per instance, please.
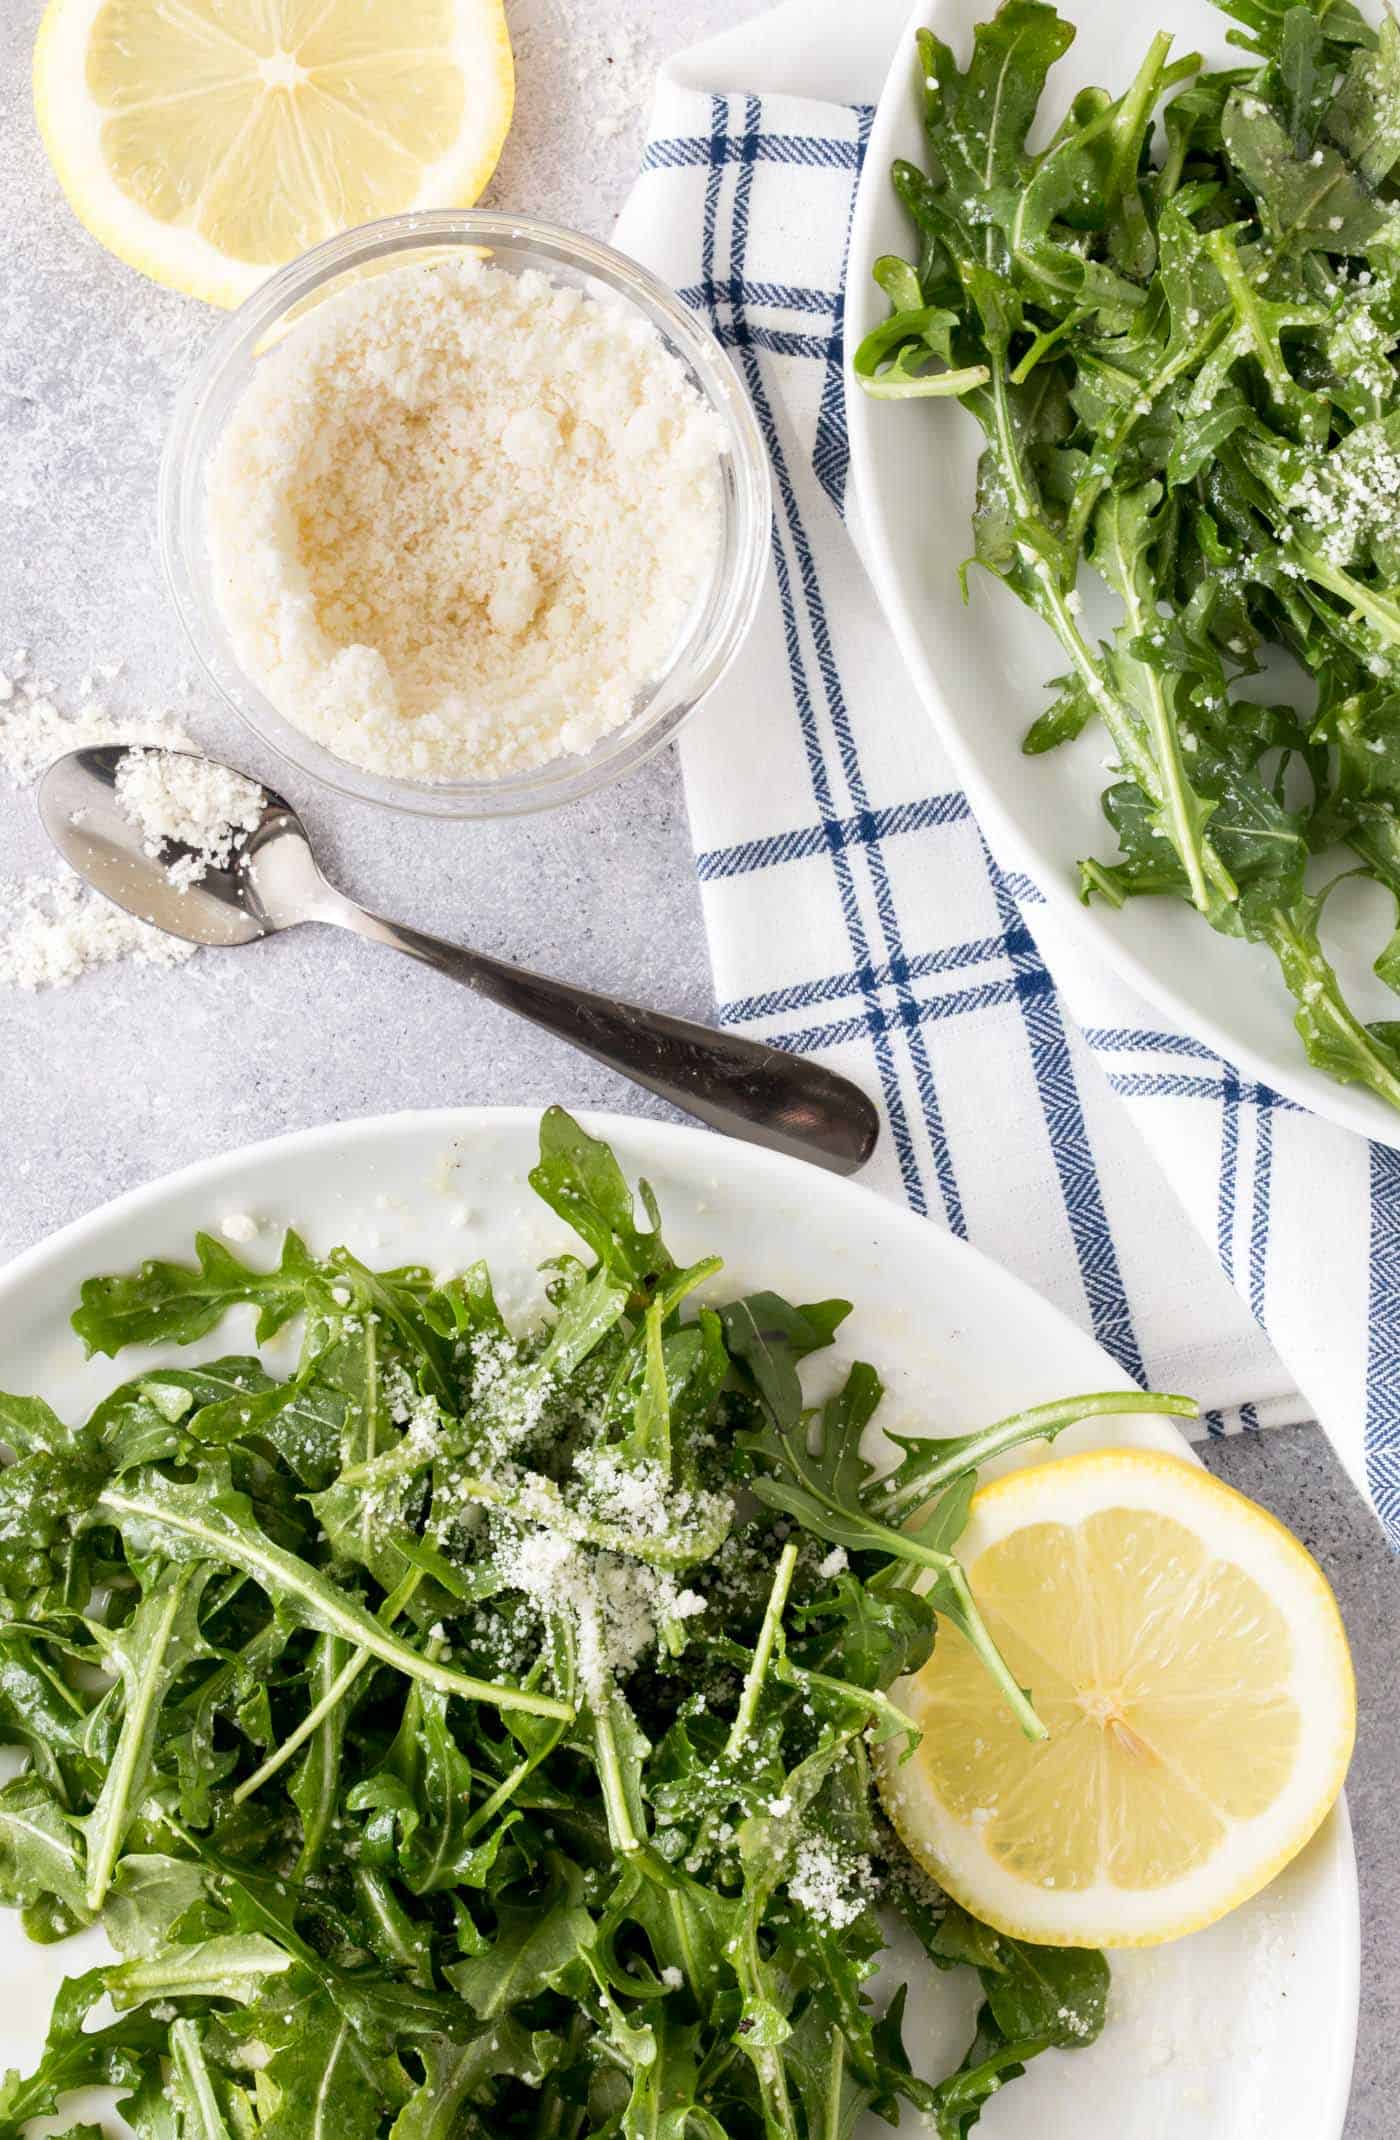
(1189, 1661)
(207, 142)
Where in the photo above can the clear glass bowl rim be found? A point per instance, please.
(225, 365)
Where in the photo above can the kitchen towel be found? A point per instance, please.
(1215, 1238)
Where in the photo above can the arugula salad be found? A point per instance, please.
(1181, 351)
(467, 1732)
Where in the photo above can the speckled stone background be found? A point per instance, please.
(133, 1072)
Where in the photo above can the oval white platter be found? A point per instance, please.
(1249, 2027)
(981, 669)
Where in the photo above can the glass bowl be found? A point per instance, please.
(718, 622)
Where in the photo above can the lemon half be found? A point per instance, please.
(207, 142)
(1189, 1659)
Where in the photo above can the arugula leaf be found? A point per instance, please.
(990, 2062)
(539, 1941)
(40, 1852)
(1185, 375)
(170, 1303)
(1060, 1993)
(150, 1653)
(977, 122)
(1364, 117)
(75, 2056)
(322, 2083)
(578, 1177)
(436, 1729)
(1317, 201)
(770, 1338)
(456, 2073)
(666, 2102)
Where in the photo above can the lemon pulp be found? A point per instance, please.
(207, 141)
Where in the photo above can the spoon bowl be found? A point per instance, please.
(271, 881)
(87, 824)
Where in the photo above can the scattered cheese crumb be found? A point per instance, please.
(53, 929)
(239, 1226)
(34, 730)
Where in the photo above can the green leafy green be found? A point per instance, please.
(1184, 367)
(169, 1301)
(439, 1728)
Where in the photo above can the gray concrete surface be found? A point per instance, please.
(134, 1073)
(1293, 1472)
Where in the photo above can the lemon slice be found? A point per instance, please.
(1190, 1663)
(208, 141)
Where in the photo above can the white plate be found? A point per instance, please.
(1247, 2028)
(981, 670)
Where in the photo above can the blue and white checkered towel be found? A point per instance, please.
(1213, 1237)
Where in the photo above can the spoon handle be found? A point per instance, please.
(739, 1086)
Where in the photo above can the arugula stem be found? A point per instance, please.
(763, 1652)
(192, 2078)
(620, 1829)
(1045, 341)
(501, 1796)
(835, 2070)
(925, 383)
(1176, 788)
(1377, 607)
(1157, 767)
(868, 1699)
(976, 1633)
(106, 1826)
(1130, 119)
(894, 1496)
(335, 1693)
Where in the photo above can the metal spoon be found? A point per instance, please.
(273, 883)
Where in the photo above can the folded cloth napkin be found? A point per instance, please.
(1216, 1239)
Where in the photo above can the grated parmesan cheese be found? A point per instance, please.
(1345, 497)
(54, 929)
(828, 1884)
(177, 800)
(35, 728)
(460, 517)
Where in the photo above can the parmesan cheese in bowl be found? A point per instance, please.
(464, 513)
